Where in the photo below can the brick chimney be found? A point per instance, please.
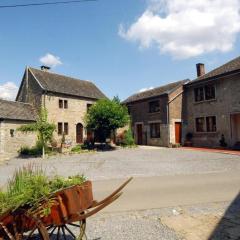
(200, 69)
(45, 68)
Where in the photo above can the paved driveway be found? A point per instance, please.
(152, 205)
(139, 162)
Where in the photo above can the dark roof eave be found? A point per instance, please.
(17, 119)
(72, 95)
(144, 99)
(199, 81)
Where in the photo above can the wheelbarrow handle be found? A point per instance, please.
(94, 210)
(95, 204)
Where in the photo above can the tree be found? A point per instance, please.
(42, 127)
(105, 116)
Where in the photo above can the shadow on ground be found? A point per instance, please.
(228, 227)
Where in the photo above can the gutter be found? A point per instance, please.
(210, 79)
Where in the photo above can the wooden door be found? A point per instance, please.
(79, 133)
(139, 134)
(178, 132)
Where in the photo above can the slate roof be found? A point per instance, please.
(16, 111)
(229, 67)
(57, 83)
(166, 89)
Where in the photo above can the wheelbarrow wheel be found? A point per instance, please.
(68, 231)
(37, 232)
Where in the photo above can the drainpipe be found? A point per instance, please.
(27, 85)
(168, 135)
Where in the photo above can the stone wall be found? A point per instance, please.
(139, 112)
(10, 144)
(175, 111)
(227, 102)
(170, 112)
(74, 114)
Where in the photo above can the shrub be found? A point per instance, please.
(77, 149)
(128, 140)
(33, 151)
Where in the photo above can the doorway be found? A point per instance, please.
(79, 133)
(139, 134)
(236, 128)
(178, 132)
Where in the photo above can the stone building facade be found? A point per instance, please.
(12, 116)
(212, 106)
(156, 115)
(66, 100)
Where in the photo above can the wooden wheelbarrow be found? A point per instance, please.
(68, 210)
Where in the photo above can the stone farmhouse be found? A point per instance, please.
(156, 115)
(66, 100)
(212, 106)
(207, 108)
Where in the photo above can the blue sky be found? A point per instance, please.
(122, 46)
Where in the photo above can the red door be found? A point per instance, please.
(139, 134)
(79, 133)
(178, 132)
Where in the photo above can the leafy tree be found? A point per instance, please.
(42, 127)
(105, 116)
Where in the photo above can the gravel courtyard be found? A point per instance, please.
(170, 223)
(122, 163)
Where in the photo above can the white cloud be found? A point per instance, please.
(8, 91)
(186, 28)
(50, 60)
(145, 89)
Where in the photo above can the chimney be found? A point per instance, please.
(45, 68)
(200, 69)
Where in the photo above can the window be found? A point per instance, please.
(200, 124)
(65, 103)
(88, 106)
(60, 103)
(155, 130)
(66, 128)
(154, 107)
(205, 93)
(129, 109)
(199, 94)
(211, 124)
(60, 128)
(209, 92)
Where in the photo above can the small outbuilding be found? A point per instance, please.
(12, 116)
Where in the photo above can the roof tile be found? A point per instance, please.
(53, 82)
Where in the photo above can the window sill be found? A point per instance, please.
(152, 113)
(205, 101)
(206, 132)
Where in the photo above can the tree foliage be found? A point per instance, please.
(42, 127)
(106, 116)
